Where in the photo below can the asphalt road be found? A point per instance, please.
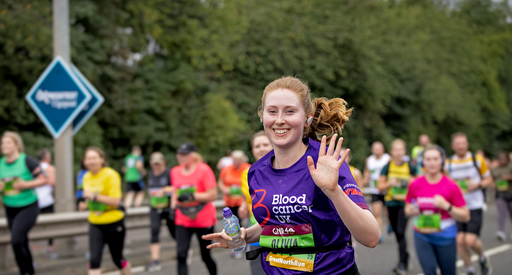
(380, 260)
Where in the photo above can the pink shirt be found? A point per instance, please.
(423, 192)
(203, 179)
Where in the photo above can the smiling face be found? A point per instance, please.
(460, 145)
(93, 161)
(283, 118)
(8, 146)
(261, 146)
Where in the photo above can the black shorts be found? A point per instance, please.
(48, 209)
(376, 198)
(475, 223)
(135, 186)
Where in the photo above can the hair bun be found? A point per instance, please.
(329, 117)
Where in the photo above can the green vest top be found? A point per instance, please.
(132, 174)
(9, 173)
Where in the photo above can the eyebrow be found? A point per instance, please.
(286, 106)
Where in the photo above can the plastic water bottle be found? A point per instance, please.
(232, 227)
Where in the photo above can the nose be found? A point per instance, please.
(280, 118)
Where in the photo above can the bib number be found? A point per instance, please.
(8, 187)
(186, 189)
(130, 163)
(429, 223)
(502, 185)
(289, 236)
(463, 185)
(235, 191)
(159, 202)
(97, 207)
(398, 193)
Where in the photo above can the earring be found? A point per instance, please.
(261, 120)
(310, 119)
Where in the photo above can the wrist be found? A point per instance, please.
(330, 193)
(449, 208)
(95, 197)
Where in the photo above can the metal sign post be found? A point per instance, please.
(63, 145)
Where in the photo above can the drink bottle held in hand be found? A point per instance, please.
(232, 227)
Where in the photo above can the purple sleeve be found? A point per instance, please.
(349, 186)
(411, 192)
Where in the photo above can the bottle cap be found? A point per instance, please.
(227, 212)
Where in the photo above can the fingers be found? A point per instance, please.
(243, 232)
(330, 150)
(210, 237)
(343, 157)
(311, 164)
(225, 236)
(338, 148)
(214, 245)
(322, 146)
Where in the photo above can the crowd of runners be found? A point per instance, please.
(302, 200)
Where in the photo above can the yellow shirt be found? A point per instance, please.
(108, 183)
(245, 190)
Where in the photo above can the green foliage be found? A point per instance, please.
(174, 71)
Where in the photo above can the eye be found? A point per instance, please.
(290, 111)
(272, 111)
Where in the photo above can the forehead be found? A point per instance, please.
(282, 98)
(261, 139)
(91, 153)
(460, 139)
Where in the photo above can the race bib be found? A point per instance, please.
(159, 202)
(130, 163)
(289, 236)
(398, 193)
(97, 207)
(235, 191)
(8, 187)
(502, 185)
(428, 223)
(186, 189)
(463, 185)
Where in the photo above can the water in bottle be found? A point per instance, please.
(232, 227)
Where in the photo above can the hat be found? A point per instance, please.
(187, 148)
(156, 157)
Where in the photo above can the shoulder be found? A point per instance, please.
(31, 162)
(110, 172)
(385, 169)
(417, 182)
(203, 167)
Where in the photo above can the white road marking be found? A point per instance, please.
(488, 253)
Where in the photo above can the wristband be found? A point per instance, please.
(450, 208)
(95, 197)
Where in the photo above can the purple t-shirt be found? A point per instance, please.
(294, 212)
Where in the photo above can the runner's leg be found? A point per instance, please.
(96, 243)
(447, 258)
(21, 221)
(377, 213)
(170, 224)
(156, 223)
(426, 255)
(128, 199)
(115, 240)
(463, 250)
(205, 253)
(183, 236)
(502, 207)
(402, 242)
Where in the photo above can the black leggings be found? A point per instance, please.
(111, 234)
(398, 221)
(156, 223)
(48, 210)
(183, 237)
(20, 220)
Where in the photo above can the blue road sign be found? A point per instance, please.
(91, 106)
(57, 96)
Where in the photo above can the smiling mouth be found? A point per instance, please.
(281, 131)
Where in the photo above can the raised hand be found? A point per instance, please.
(222, 238)
(328, 165)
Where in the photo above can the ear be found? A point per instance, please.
(310, 119)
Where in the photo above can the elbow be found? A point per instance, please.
(116, 203)
(466, 217)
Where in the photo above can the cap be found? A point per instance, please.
(227, 212)
(156, 157)
(187, 148)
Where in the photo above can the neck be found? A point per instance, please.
(378, 156)
(96, 171)
(463, 155)
(189, 167)
(12, 157)
(158, 171)
(433, 178)
(398, 160)
(286, 157)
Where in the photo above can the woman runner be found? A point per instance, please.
(436, 202)
(502, 175)
(305, 200)
(395, 178)
(195, 190)
(19, 175)
(102, 195)
(160, 191)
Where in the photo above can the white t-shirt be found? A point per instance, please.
(375, 166)
(45, 192)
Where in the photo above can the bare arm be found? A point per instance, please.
(50, 171)
(40, 180)
(383, 184)
(360, 222)
(88, 195)
(411, 210)
(208, 196)
(222, 187)
(460, 214)
(366, 173)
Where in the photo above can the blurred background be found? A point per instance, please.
(181, 70)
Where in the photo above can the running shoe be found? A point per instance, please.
(153, 266)
(400, 269)
(501, 236)
(485, 266)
